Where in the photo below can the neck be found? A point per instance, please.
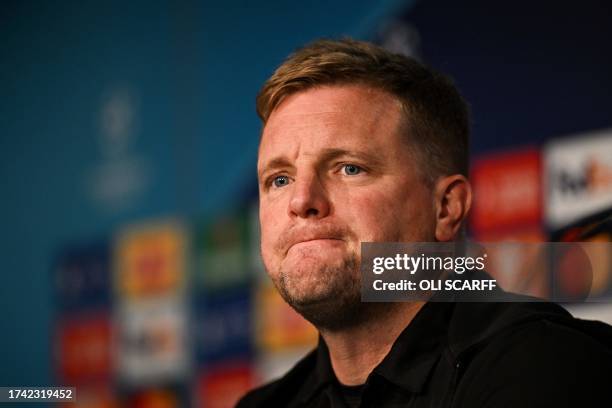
(356, 351)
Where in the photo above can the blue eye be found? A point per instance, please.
(280, 181)
(351, 169)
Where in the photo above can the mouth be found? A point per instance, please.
(315, 241)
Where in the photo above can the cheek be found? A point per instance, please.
(389, 216)
(371, 216)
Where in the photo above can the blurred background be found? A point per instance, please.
(128, 134)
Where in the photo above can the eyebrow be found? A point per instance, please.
(327, 155)
(276, 163)
(331, 154)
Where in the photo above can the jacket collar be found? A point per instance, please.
(321, 376)
(418, 348)
(438, 326)
(409, 362)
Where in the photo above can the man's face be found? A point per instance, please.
(334, 171)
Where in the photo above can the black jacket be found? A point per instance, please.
(469, 355)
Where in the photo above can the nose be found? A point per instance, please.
(309, 198)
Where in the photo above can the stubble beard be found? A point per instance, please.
(331, 300)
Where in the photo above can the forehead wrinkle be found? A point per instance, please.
(285, 122)
(334, 122)
(347, 98)
(301, 104)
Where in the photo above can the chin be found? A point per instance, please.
(306, 293)
(331, 310)
(327, 294)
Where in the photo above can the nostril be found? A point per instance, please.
(312, 211)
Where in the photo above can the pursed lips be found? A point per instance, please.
(311, 239)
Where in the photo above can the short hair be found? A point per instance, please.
(437, 118)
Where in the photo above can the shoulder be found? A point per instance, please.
(559, 345)
(547, 359)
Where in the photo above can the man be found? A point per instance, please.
(361, 145)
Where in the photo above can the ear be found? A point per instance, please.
(453, 199)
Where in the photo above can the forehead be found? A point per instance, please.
(331, 116)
